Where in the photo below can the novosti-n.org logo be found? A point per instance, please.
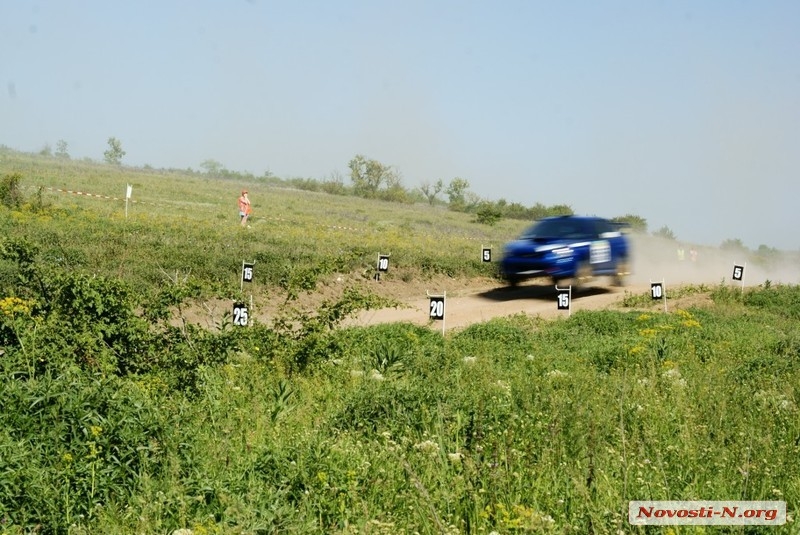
(709, 513)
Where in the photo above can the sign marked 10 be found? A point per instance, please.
(383, 263)
(658, 291)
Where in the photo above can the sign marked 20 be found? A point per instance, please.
(436, 306)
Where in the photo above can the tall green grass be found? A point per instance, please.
(117, 419)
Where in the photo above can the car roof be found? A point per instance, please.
(579, 217)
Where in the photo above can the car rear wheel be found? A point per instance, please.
(623, 270)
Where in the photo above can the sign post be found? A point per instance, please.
(658, 291)
(383, 265)
(486, 254)
(436, 308)
(240, 314)
(564, 299)
(738, 273)
(128, 192)
(247, 272)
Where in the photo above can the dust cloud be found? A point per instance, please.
(656, 259)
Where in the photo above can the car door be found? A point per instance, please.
(603, 246)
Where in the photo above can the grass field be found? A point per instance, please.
(117, 417)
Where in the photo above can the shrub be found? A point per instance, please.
(10, 190)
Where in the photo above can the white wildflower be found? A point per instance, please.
(672, 373)
(505, 387)
(376, 375)
(427, 446)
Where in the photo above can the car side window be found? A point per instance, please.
(602, 226)
(583, 230)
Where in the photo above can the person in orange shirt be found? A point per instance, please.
(244, 207)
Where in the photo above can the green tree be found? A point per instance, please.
(430, 191)
(212, 167)
(735, 245)
(456, 193)
(369, 175)
(114, 153)
(560, 209)
(334, 184)
(539, 210)
(11, 191)
(635, 222)
(395, 192)
(488, 213)
(664, 232)
(61, 150)
(515, 210)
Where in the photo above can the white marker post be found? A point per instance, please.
(658, 290)
(436, 308)
(383, 265)
(240, 311)
(128, 193)
(564, 299)
(486, 254)
(738, 273)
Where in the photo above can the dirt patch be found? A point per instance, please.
(468, 300)
(478, 304)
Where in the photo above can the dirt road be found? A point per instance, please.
(473, 301)
(464, 307)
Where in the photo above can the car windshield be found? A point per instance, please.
(572, 229)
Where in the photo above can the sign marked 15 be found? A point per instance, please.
(564, 298)
(247, 272)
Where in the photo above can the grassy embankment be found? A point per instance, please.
(117, 420)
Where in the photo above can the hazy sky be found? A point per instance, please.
(685, 113)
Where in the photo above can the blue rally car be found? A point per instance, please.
(577, 248)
